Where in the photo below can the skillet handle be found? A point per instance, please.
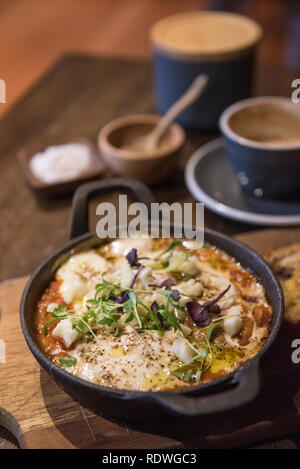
(244, 389)
(80, 217)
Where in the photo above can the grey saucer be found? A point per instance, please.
(211, 179)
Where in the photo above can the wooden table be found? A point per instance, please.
(76, 102)
(32, 229)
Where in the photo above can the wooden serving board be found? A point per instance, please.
(41, 415)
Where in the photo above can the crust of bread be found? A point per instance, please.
(285, 262)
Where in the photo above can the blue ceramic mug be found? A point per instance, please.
(218, 44)
(262, 138)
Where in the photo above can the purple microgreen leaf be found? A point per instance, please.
(205, 322)
(133, 259)
(161, 321)
(154, 306)
(115, 299)
(212, 308)
(175, 295)
(119, 299)
(198, 313)
(136, 276)
(213, 302)
(131, 256)
(124, 296)
(169, 282)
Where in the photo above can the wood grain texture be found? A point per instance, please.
(41, 415)
(35, 33)
(72, 101)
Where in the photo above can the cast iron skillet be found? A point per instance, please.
(226, 393)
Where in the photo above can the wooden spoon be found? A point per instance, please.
(149, 142)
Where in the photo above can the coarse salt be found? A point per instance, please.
(61, 162)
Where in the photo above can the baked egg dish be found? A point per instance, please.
(152, 314)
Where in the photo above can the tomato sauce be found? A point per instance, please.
(51, 345)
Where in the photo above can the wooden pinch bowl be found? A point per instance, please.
(149, 167)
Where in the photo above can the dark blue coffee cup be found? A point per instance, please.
(184, 47)
(262, 138)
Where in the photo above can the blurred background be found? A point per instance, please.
(35, 32)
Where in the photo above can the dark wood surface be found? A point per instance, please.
(43, 416)
(37, 32)
(74, 100)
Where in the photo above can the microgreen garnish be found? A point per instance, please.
(211, 329)
(60, 312)
(107, 289)
(112, 301)
(162, 323)
(136, 275)
(46, 326)
(131, 307)
(175, 295)
(200, 312)
(67, 361)
(169, 282)
(160, 317)
(133, 259)
(189, 370)
(131, 256)
(215, 301)
(173, 245)
(119, 299)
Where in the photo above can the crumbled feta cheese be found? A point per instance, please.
(144, 276)
(51, 307)
(232, 325)
(192, 288)
(126, 276)
(65, 332)
(182, 349)
(234, 310)
(191, 266)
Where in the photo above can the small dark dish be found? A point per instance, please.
(231, 391)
